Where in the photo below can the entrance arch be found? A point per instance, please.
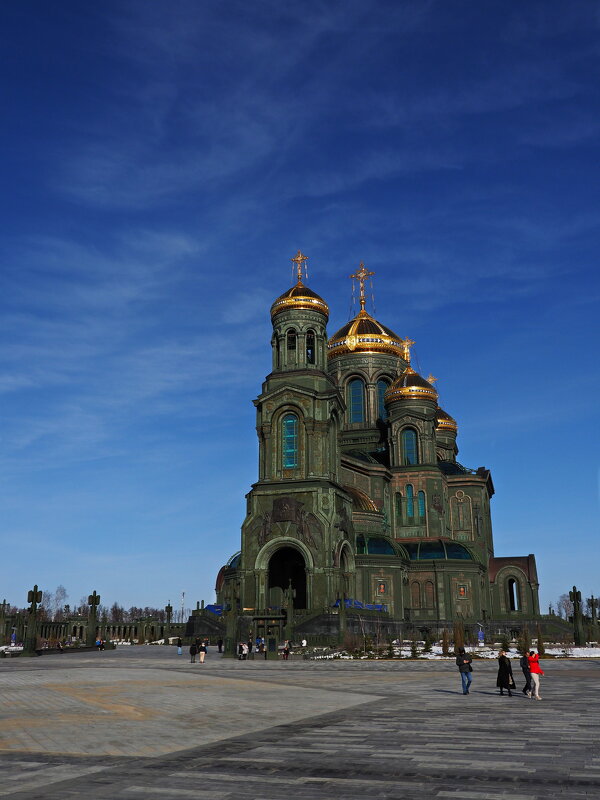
(287, 563)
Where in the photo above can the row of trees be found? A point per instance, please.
(54, 607)
(564, 606)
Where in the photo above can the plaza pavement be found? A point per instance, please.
(144, 722)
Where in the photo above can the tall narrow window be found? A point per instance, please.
(421, 503)
(398, 508)
(290, 441)
(310, 347)
(415, 594)
(429, 594)
(409, 446)
(382, 387)
(514, 601)
(410, 501)
(291, 346)
(356, 401)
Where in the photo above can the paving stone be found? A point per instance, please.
(144, 721)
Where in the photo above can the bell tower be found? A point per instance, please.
(298, 526)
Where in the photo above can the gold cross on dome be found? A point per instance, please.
(361, 274)
(406, 345)
(431, 378)
(299, 260)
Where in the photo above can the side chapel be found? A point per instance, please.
(360, 500)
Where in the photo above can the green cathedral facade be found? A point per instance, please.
(361, 505)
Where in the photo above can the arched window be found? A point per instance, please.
(410, 501)
(429, 594)
(421, 504)
(382, 387)
(514, 599)
(290, 441)
(310, 347)
(356, 401)
(415, 594)
(409, 446)
(291, 346)
(398, 508)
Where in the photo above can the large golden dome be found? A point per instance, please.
(364, 334)
(410, 386)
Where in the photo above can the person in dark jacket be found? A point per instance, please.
(193, 651)
(524, 664)
(505, 678)
(463, 662)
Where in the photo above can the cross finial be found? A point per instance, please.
(406, 345)
(299, 260)
(431, 378)
(361, 274)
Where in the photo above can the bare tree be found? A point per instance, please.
(60, 599)
(564, 606)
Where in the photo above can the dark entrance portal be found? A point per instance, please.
(288, 564)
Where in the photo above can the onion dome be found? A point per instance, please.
(364, 334)
(300, 296)
(410, 386)
(444, 422)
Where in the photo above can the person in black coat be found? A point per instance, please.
(193, 651)
(524, 664)
(505, 678)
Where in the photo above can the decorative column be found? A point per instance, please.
(578, 634)
(169, 613)
(93, 603)
(34, 598)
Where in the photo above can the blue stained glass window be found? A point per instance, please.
(410, 501)
(381, 390)
(421, 501)
(356, 401)
(290, 441)
(310, 347)
(409, 446)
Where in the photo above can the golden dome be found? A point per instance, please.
(444, 422)
(300, 296)
(363, 334)
(410, 386)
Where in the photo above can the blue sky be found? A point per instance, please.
(164, 160)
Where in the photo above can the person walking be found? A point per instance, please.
(220, 645)
(193, 651)
(536, 672)
(202, 650)
(505, 678)
(463, 662)
(524, 664)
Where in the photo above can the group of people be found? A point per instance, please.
(198, 648)
(529, 663)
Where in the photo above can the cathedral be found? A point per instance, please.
(361, 507)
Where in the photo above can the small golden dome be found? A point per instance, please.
(410, 386)
(300, 296)
(363, 334)
(444, 422)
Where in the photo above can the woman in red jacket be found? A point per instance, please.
(536, 671)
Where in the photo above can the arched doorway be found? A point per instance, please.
(287, 564)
